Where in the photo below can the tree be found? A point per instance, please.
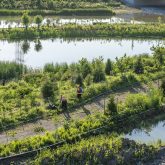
(159, 54)
(48, 89)
(48, 22)
(38, 20)
(98, 70)
(138, 66)
(120, 65)
(39, 4)
(108, 67)
(85, 67)
(112, 106)
(79, 80)
(163, 86)
(25, 20)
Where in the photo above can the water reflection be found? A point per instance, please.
(146, 16)
(149, 131)
(36, 53)
(38, 45)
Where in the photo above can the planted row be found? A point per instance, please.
(31, 94)
(103, 149)
(71, 132)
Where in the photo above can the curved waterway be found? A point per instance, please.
(152, 131)
(37, 53)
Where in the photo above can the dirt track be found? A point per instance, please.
(96, 106)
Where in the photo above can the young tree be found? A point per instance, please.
(25, 20)
(85, 67)
(108, 67)
(38, 20)
(112, 106)
(79, 80)
(48, 90)
(159, 54)
(163, 86)
(138, 66)
(98, 70)
(120, 65)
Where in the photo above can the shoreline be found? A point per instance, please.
(154, 30)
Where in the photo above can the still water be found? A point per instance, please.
(151, 132)
(37, 53)
(148, 15)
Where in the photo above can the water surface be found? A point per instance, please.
(150, 133)
(36, 53)
(148, 15)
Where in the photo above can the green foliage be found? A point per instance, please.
(25, 20)
(159, 54)
(29, 103)
(79, 80)
(56, 4)
(61, 12)
(96, 30)
(39, 129)
(48, 90)
(98, 70)
(144, 101)
(38, 20)
(135, 104)
(10, 70)
(163, 86)
(102, 149)
(111, 106)
(108, 67)
(85, 67)
(138, 66)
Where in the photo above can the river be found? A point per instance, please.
(36, 54)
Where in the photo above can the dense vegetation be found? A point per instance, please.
(96, 30)
(27, 94)
(56, 4)
(62, 12)
(30, 95)
(98, 150)
(128, 112)
(58, 7)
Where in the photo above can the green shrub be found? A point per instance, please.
(111, 106)
(48, 89)
(163, 86)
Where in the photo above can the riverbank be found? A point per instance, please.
(61, 12)
(154, 30)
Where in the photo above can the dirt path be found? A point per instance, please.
(43, 125)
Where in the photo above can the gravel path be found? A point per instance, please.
(44, 125)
